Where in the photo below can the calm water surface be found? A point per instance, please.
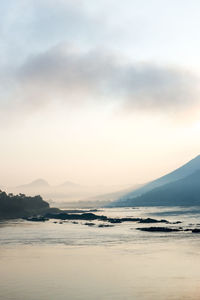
(73, 261)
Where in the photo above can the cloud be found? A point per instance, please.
(35, 73)
(67, 75)
(32, 26)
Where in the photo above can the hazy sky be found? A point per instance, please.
(98, 92)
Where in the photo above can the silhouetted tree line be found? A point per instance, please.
(20, 205)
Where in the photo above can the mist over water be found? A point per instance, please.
(74, 261)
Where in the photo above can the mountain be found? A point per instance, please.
(183, 192)
(69, 184)
(38, 183)
(186, 170)
(66, 192)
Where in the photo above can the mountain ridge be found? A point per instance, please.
(35, 183)
(183, 192)
(179, 173)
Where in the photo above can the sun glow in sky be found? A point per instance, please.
(98, 92)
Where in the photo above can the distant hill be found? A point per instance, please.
(38, 183)
(183, 192)
(186, 170)
(69, 184)
(66, 192)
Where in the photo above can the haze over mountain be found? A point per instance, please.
(38, 183)
(69, 184)
(171, 189)
(66, 191)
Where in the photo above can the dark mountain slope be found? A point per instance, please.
(178, 174)
(183, 192)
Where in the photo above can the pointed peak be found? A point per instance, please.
(69, 184)
(39, 181)
(35, 183)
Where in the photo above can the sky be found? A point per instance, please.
(98, 92)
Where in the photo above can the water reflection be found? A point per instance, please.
(73, 261)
